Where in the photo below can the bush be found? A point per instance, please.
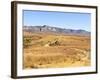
(27, 42)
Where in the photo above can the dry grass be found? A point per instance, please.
(50, 51)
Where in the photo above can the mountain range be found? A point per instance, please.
(51, 29)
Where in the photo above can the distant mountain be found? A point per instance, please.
(51, 29)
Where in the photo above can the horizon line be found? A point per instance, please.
(56, 27)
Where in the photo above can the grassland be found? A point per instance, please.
(51, 51)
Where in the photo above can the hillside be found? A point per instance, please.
(55, 30)
(47, 49)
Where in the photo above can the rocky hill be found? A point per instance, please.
(51, 29)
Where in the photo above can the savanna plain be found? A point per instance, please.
(55, 51)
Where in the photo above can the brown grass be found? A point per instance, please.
(50, 51)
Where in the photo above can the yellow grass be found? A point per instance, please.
(51, 51)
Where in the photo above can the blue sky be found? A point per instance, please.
(68, 20)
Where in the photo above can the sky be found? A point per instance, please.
(67, 20)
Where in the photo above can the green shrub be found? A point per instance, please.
(27, 41)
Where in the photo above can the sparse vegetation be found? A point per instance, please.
(49, 51)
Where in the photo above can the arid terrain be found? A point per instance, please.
(55, 51)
